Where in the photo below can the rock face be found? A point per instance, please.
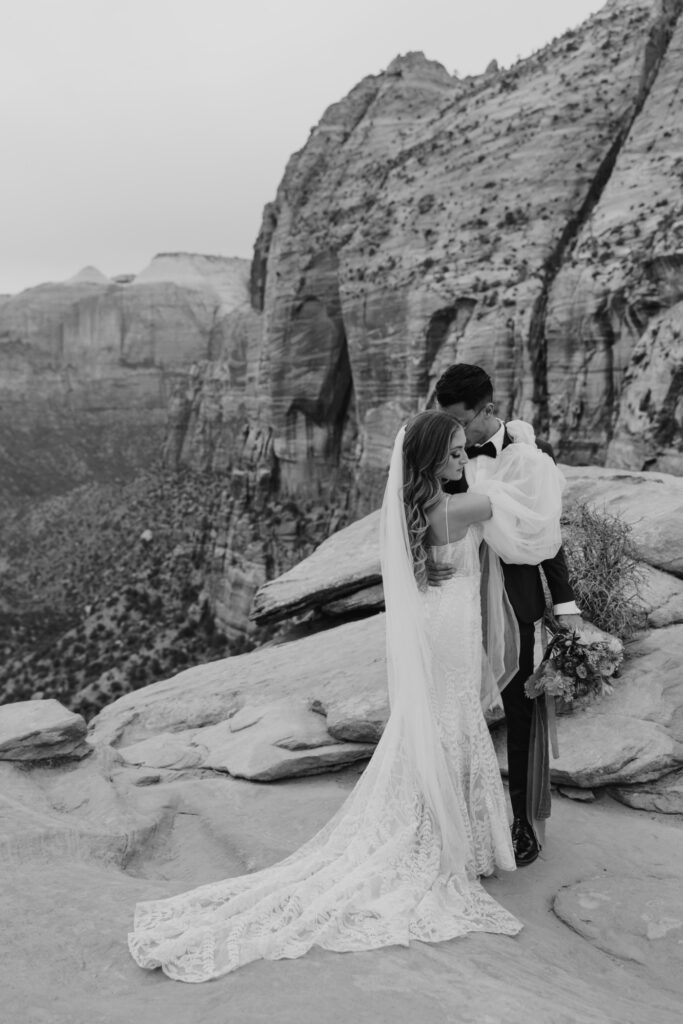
(91, 370)
(614, 312)
(430, 219)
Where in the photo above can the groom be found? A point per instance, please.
(466, 392)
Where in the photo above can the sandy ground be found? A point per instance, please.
(63, 955)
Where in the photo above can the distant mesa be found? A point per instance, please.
(88, 275)
(226, 276)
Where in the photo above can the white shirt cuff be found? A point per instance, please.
(568, 608)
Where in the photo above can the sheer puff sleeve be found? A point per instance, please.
(525, 491)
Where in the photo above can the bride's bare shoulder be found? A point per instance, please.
(453, 513)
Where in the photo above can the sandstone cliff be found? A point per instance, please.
(527, 219)
(89, 368)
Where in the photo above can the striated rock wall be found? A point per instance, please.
(614, 314)
(524, 219)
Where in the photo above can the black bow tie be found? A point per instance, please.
(485, 449)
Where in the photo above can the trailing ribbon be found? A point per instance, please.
(543, 733)
(538, 800)
(552, 727)
(550, 707)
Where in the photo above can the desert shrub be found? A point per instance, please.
(604, 568)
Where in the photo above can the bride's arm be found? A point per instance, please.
(465, 509)
(462, 511)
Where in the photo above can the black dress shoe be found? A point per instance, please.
(524, 843)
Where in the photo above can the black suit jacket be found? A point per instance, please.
(523, 582)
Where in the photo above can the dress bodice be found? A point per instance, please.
(462, 554)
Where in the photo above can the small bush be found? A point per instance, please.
(604, 569)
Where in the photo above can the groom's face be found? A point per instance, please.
(479, 423)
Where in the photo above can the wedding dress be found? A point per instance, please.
(402, 857)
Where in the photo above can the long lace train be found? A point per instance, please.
(375, 874)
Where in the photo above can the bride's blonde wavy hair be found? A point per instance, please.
(426, 446)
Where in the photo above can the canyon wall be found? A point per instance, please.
(527, 219)
(91, 369)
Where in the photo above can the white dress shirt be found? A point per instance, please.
(480, 469)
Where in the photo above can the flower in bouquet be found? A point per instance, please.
(577, 664)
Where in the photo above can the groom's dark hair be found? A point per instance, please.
(464, 383)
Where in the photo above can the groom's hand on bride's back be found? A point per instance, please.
(438, 574)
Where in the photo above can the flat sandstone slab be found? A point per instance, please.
(346, 562)
(636, 919)
(344, 572)
(201, 830)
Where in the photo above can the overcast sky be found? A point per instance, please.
(131, 127)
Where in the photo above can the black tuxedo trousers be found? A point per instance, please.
(525, 592)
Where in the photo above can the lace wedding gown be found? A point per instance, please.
(376, 874)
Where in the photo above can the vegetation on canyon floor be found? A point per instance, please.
(103, 589)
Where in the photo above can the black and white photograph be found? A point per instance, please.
(341, 512)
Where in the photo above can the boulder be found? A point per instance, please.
(277, 741)
(359, 719)
(664, 794)
(342, 574)
(344, 564)
(661, 596)
(651, 504)
(265, 689)
(33, 730)
(263, 743)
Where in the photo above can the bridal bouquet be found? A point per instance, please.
(576, 665)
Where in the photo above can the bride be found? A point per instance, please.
(401, 859)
